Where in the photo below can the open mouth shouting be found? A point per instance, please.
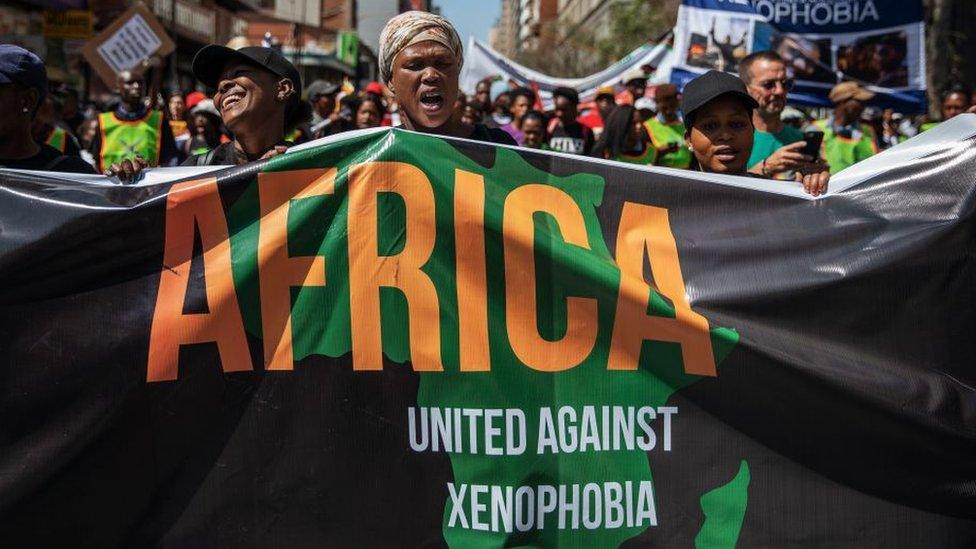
(431, 101)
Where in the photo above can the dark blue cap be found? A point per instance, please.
(19, 66)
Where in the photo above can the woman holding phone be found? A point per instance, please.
(718, 115)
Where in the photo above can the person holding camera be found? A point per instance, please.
(719, 115)
(778, 150)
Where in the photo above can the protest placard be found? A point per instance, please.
(123, 46)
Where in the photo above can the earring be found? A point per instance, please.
(26, 109)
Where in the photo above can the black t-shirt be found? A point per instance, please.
(224, 155)
(574, 138)
(51, 160)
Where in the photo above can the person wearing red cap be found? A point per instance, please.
(375, 88)
(193, 98)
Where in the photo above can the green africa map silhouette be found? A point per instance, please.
(317, 226)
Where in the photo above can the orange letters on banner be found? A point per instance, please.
(277, 271)
(189, 205)
(646, 228)
(472, 286)
(369, 271)
(518, 231)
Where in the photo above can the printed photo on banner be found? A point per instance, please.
(823, 43)
(720, 45)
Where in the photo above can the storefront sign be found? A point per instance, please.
(67, 24)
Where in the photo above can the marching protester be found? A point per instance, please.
(322, 96)
(369, 112)
(566, 134)
(474, 112)
(420, 57)
(646, 107)
(719, 113)
(135, 133)
(955, 101)
(667, 131)
(777, 147)
(46, 129)
(846, 140)
(259, 98)
(635, 82)
(625, 138)
(534, 129)
(522, 101)
(23, 87)
(482, 92)
(595, 118)
(205, 129)
(500, 113)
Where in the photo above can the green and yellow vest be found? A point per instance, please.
(58, 138)
(664, 134)
(645, 158)
(842, 152)
(123, 139)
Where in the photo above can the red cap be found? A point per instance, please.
(374, 87)
(193, 98)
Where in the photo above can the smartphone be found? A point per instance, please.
(813, 139)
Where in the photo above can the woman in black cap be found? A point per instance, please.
(23, 85)
(718, 117)
(259, 99)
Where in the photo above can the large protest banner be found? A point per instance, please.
(395, 339)
(481, 62)
(880, 43)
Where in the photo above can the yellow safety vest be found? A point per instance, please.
(645, 158)
(58, 139)
(123, 139)
(663, 135)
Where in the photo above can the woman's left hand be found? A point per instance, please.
(814, 176)
(275, 151)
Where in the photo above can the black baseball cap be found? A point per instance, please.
(321, 87)
(19, 66)
(709, 86)
(211, 60)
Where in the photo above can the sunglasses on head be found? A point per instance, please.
(770, 85)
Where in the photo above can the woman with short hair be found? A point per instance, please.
(420, 58)
(259, 96)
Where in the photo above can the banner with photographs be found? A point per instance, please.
(879, 43)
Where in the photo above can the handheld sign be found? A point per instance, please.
(131, 39)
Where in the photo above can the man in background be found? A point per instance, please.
(522, 101)
(776, 147)
(566, 134)
(846, 140)
(135, 129)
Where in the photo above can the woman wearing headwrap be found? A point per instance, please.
(420, 60)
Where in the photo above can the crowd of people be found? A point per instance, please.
(257, 108)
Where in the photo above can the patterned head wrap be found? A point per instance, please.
(413, 27)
